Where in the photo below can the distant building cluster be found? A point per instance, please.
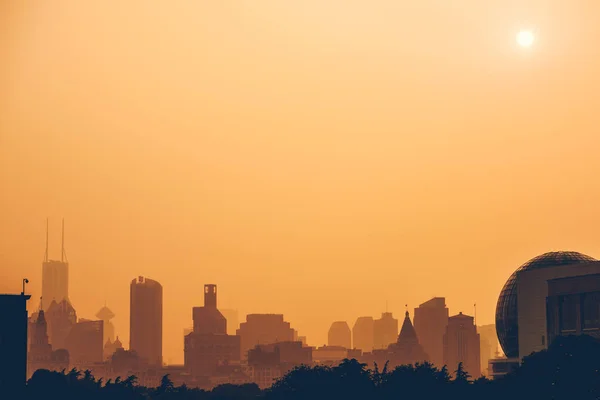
(434, 337)
(551, 295)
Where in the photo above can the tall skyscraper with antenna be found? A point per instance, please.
(55, 274)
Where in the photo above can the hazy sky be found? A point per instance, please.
(313, 158)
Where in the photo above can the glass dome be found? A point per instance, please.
(506, 310)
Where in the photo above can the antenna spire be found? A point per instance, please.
(63, 253)
(46, 253)
(475, 316)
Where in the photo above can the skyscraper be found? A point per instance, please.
(145, 319)
(339, 335)
(13, 342)
(55, 274)
(385, 331)
(362, 334)
(461, 344)
(431, 319)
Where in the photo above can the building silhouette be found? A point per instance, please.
(363, 334)
(573, 306)
(329, 355)
(145, 319)
(431, 319)
(233, 320)
(339, 335)
(405, 350)
(488, 346)
(85, 345)
(461, 345)
(60, 317)
(264, 329)
(521, 307)
(111, 348)
(55, 274)
(208, 319)
(13, 342)
(40, 354)
(105, 315)
(385, 331)
(267, 363)
(209, 347)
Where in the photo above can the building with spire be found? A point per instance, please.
(339, 335)
(40, 354)
(55, 274)
(406, 349)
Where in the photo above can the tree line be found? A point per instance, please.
(569, 369)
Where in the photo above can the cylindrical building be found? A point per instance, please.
(145, 320)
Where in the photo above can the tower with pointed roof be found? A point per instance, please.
(407, 349)
(39, 344)
(40, 354)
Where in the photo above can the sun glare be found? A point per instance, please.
(525, 38)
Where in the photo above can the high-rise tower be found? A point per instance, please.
(55, 274)
(362, 334)
(431, 319)
(461, 345)
(145, 319)
(339, 335)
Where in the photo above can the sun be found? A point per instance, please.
(525, 38)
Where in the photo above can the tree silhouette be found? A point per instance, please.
(569, 369)
(460, 375)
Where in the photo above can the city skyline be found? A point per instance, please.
(176, 359)
(313, 159)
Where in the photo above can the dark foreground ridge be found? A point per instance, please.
(569, 369)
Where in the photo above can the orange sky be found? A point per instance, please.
(313, 158)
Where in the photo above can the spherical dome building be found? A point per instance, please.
(506, 310)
